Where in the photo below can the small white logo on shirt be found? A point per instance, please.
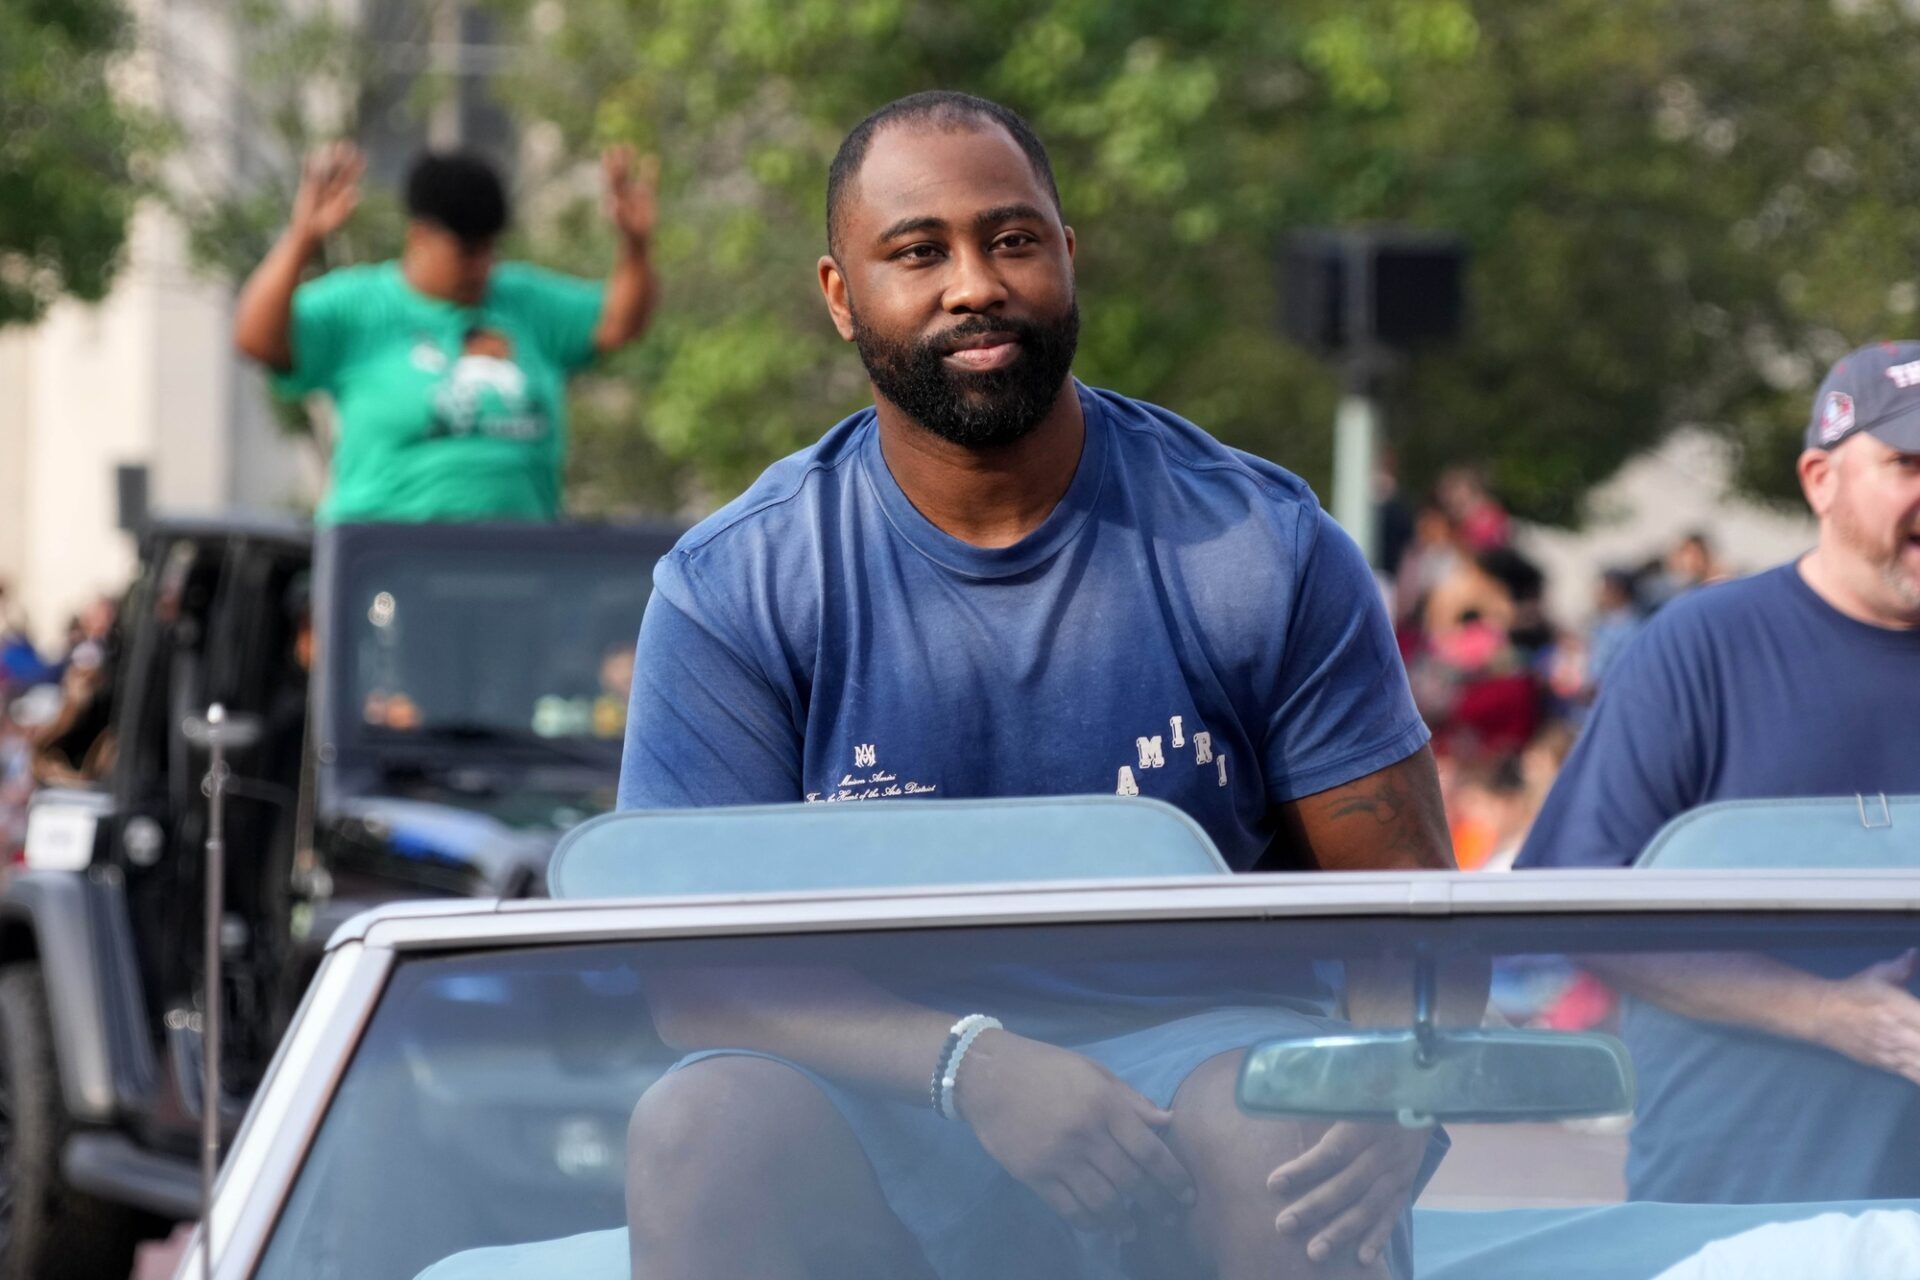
(1203, 748)
(875, 785)
(427, 357)
(1151, 756)
(1127, 787)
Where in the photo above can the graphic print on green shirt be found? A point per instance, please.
(444, 412)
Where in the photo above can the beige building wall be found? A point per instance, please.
(146, 378)
(15, 458)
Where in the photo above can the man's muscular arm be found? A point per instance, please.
(1390, 820)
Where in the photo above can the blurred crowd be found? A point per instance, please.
(55, 709)
(1505, 687)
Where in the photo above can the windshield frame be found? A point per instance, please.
(354, 760)
(267, 1156)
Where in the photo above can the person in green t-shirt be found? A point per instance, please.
(447, 371)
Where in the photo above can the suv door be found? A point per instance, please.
(150, 857)
(258, 651)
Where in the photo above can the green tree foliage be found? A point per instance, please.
(1679, 210)
(66, 148)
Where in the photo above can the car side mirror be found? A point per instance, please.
(231, 732)
(1479, 1076)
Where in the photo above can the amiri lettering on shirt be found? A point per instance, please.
(1152, 755)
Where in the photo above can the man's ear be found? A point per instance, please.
(1070, 240)
(833, 286)
(1819, 477)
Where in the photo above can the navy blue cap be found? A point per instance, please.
(1875, 389)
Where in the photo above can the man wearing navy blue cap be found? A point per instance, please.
(1803, 680)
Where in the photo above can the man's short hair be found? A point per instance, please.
(459, 191)
(941, 109)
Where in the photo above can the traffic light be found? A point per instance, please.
(1344, 293)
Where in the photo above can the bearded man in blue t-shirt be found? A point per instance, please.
(1000, 582)
(1800, 681)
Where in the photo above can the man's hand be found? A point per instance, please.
(1352, 1186)
(329, 191)
(630, 194)
(1872, 1018)
(1065, 1126)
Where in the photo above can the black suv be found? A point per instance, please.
(431, 707)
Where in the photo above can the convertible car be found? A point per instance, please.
(452, 1102)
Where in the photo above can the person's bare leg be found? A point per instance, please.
(1230, 1228)
(740, 1167)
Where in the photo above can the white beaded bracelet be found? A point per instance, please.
(968, 1029)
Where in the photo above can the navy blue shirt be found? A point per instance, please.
(1186, 624)
(1754, 689)
(1749, 690)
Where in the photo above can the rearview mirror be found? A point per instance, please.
(1490, 1076)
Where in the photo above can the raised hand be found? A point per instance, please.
(630, 193)
(329, 190)
(1084, 1142)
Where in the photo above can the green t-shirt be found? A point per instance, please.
(445, 412)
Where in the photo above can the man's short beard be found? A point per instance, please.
(1900, 581)
(978, 410)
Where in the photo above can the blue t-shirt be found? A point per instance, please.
(1186, 624)
(1750, 690)
(1755, 689)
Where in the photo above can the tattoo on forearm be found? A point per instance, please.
(1384, 803)
(1389, 819)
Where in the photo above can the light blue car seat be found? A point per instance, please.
(799, 847)
(1863, 833)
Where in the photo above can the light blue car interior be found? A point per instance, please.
(1863, 833)
(796, 848)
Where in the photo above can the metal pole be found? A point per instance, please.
(1355, 431)
(1357, 424)
(210, 1015)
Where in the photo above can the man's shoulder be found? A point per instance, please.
(524, 282)
(1194, 458)
(1222, 507)
(1697, 645)
(787, 496)
(1715, 612)
(356, 283)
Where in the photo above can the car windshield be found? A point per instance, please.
(492, 1123)
(498, 645)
